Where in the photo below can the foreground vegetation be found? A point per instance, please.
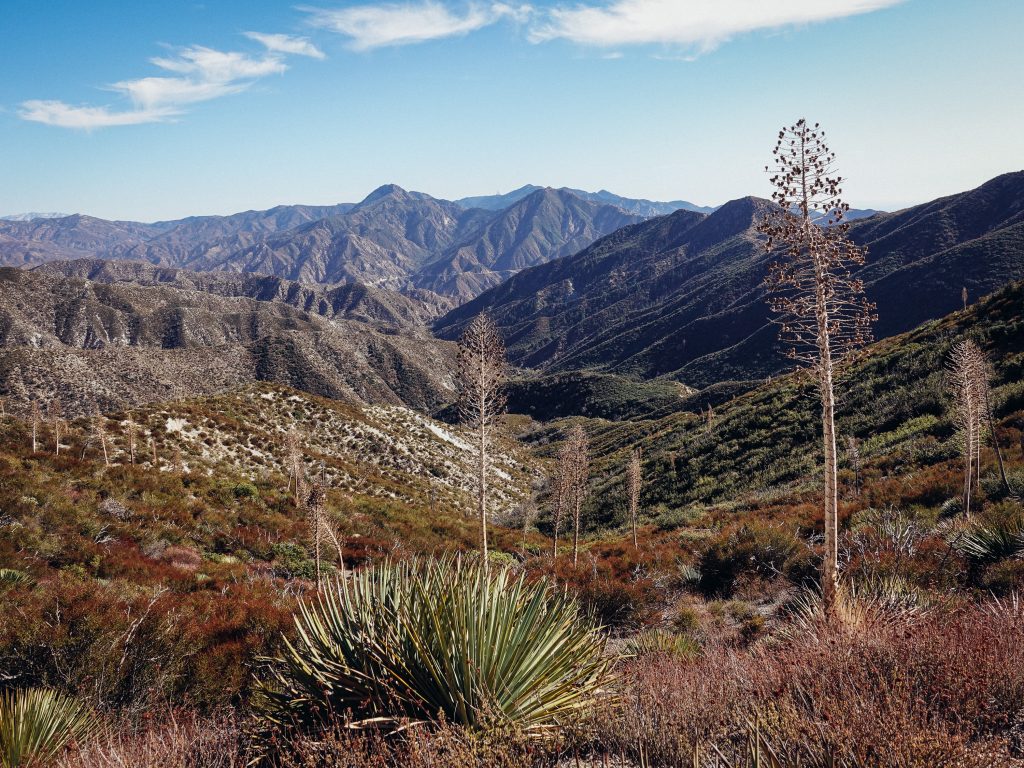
(157, 597)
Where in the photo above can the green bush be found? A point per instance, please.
(433, 638)
(754, 549)
(245, 491)
(293, 562)
(653, 642)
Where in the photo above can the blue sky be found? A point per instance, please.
(159, 110)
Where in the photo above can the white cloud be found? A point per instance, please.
(67, 116)
(375, 26)
(200, 74)
(700, 24)
(210, 65)
(298, 46)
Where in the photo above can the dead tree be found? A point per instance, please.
(55, 415)
(156, 459)
(965, 382)
(481, 381)
(963, 296)
(634, 481)
(820, 306)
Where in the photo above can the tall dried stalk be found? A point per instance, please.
(293, 461)
(820, 306)
(321, 529)
(481, 379)
(574, 472)
(55, 415)
(966, 383)
(99, 431)
(634, 481)
(131, 434)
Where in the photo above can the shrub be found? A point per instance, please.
(245, 491)
(446, 637)
(37, 723)
(658, 641)
(755, 549)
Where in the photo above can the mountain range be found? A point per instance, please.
(362, 302)
(393, 238)
(682, 295)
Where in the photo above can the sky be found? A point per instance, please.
(159, 110)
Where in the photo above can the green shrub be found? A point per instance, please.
(37, 723)
(245, 491)
(753, 549)
(657, 641)
(293, 562)
(440, 637)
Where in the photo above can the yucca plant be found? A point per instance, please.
(985, 542)
(442, 638)
(11, 577)
(37, 723)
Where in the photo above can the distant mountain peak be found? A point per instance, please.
(383, 191)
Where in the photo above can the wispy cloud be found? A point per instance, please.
(69, 116)
(379, 25)
(197, 74)
(693, 24)
(298, 46)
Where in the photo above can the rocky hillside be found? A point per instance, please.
(682, 295)
(383, 451)
(545, 225)
(121, 343)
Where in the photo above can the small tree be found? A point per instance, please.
(481, 382)
(820, 306)
(634, 481)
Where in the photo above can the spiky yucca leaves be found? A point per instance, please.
(37, 723)
(11, 577)
(436, 638)
(985, 542)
